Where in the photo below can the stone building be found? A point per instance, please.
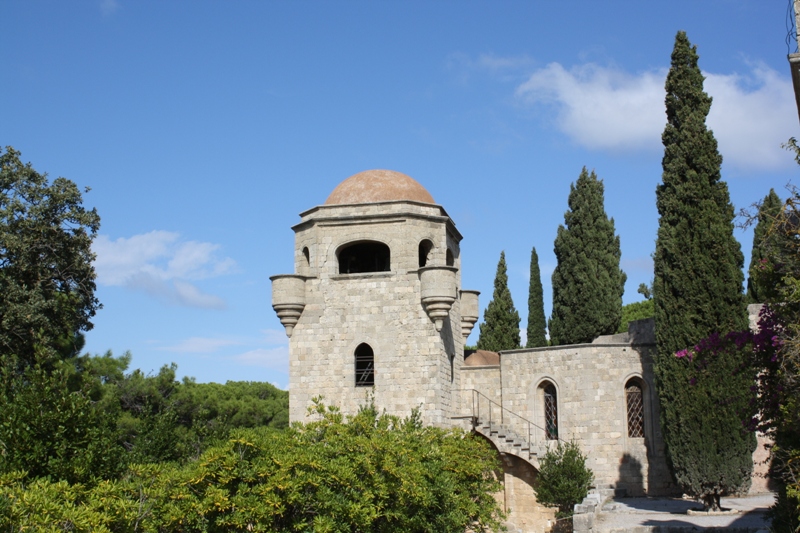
(375, 304)
(375, 308)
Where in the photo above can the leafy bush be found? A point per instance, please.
(564, 479)
(370, 472)
(635, 311)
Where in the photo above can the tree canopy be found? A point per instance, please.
(537, 324)
(46, 274)
(777, 355)
(587, 282)
(697, 290)
(369, 472)
(500, 327)
(766, 237)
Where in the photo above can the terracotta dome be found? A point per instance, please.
(378, 186)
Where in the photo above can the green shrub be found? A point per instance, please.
(368, 472)
(564, 479)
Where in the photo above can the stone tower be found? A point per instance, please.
(374, 308)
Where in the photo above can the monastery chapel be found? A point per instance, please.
(375, 307)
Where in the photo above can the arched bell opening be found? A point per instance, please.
(425, 249)
(364, 256)
(305, 263)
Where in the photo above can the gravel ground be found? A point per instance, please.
(660, 515)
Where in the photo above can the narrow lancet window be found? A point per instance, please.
(449, 259)
(635, 405)
(550, 412)
(425, 248)
(365, 366)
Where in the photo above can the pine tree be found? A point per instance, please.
(697, 289)
(587, 282)
(761, 288)
(500, 328)
(537, 324)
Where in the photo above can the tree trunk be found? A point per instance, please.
(711, 502)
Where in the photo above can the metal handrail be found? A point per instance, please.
(476, 414)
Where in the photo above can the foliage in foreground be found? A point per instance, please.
(500, 327)
(587, 282)
(564, 479)
(371, 472)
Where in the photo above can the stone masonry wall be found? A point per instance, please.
(590, 381)
(415, 365)
(524, 512)
(486, 380)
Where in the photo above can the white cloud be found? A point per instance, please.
(275, 337)
(637, 264)
(199, 345)
(109, 7)
(498, 63)
(751, 116)
(187, 294)
(605, 108)
(160, 264)
(601, 108)
(272, 358)
(505, 68)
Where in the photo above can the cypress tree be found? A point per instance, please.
(537, 324)
(587, 282)
(500, 328)
(761, 288)
(697, 292)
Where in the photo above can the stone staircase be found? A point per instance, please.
(510, 433)
(507, 441)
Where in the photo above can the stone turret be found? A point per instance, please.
(374, 307)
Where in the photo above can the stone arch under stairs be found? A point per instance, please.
(519, 471)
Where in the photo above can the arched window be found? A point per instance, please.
(425, 248)
(449, 259)
(634, 400)
(305, 262)
(550, 411)
(365, 366)
(367, 256)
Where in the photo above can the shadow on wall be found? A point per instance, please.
(659, 480)
(631, 476)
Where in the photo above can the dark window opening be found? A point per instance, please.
(307, 255)
(635, 405)
(425, 248)
(550, 412)
(450, 260)
(364, 257)
(365, 366)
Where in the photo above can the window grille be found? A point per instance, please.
(365, 366)
(633, 397)
(550, 413)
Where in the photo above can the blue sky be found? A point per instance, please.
(204, 128)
